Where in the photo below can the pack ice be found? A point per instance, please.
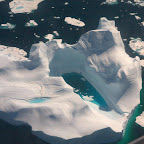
(63, 117)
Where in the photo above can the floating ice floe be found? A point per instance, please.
(137, 45)
(74, 22)
(110, 2)
(13, 53)
(100, 57)
(140, 119)
(49, 36)
(24, 6)
(7, 26)
(31, 23)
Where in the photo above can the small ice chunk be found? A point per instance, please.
(137, 17)
(7, 26)
(66, 3)
(42, 19)
(133, 13)
(116, 17)
(88, 98)
(56, 33)
(49, 36)
(31, 23)
(56, 17)
(37, 36)
(124, 39)
(74, 22)
(137, 45)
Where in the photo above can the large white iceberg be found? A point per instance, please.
(24, 6)
(100, 57)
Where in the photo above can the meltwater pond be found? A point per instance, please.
(38, 100)
(84, 89)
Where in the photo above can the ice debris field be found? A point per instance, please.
(33, 89)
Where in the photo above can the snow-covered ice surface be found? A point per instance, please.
(7, 26)
(31, 23)
(140, 119)
(100, 57)
(137, 45)
(13, 53)
(24, 6)
(74, 22)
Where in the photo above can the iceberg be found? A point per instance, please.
(137, 45)
(100, 57)
(7, 26)
(31, 23)
(24, 6)
(75, 22)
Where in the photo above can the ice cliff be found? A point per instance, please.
(100, 57)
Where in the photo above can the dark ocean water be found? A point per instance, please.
(23, 37)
